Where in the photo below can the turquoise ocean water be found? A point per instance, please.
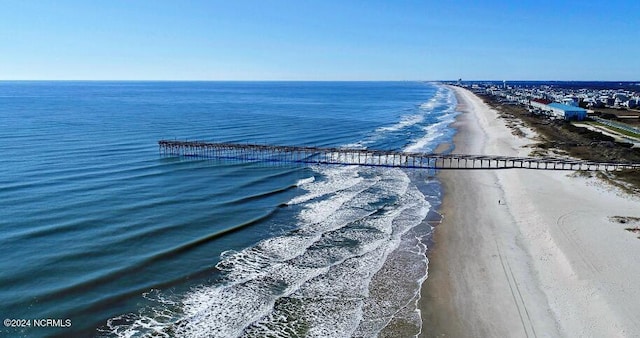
(98, 228)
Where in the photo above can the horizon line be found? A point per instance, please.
(284, 80)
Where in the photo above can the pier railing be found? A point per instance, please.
(366, 157)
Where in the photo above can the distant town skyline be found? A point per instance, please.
(320, 40)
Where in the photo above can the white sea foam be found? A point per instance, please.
(435, 131)
(442, 99)
(408, 260)
(356, 145)
(337, 178)
(431, 134)
(436, 101)
(314, 281)
(305, 181)
(328, 281)
(406, 121)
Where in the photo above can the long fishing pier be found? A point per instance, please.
(381, 158)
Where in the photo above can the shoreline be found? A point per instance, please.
(525, 252)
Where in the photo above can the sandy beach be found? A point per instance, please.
(529, 253)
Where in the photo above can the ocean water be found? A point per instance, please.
(100, 229)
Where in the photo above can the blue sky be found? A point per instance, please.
(319, 40)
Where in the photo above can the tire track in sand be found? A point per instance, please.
(527, 323)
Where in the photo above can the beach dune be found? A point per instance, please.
(528, 253)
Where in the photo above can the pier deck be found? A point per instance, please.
(366, 157)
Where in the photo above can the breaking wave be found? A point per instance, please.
(313, 281)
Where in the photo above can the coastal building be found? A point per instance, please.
(566, 112)
(540, 104)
